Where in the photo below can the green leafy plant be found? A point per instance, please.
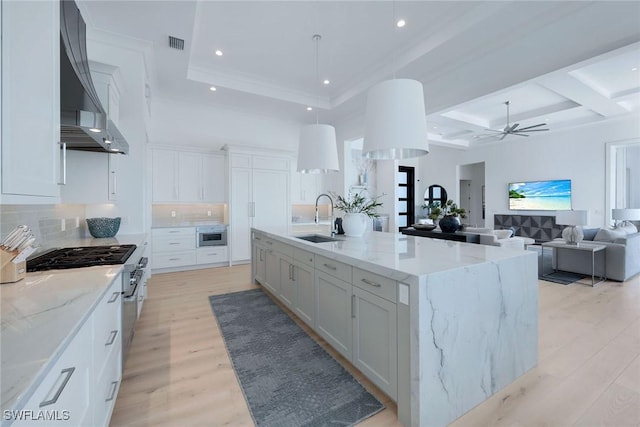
(436, 210)
(357, 204)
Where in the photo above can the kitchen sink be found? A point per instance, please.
(317, 238)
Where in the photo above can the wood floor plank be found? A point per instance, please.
(178, 372)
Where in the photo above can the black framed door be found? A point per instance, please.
(406, 190)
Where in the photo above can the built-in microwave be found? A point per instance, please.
(211, 235)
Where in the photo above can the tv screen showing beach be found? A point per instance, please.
(540, 195)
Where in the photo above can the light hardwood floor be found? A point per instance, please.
(178, 372)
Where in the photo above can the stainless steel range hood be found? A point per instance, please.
(84, 124)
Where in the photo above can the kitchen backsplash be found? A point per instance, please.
(46, 222)
(162, 215)
(306, 213)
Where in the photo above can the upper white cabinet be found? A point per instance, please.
(30, 101)
(305, 187)
(108, 83)
(185, 176)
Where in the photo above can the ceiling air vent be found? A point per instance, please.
(176, 43)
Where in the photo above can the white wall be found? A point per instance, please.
(576, 154)
(633, 165)
(177, 123)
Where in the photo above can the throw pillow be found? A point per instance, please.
(502, 234)
(628, 228)
(606, 235)
(590, 233)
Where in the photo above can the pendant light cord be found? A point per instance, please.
(393, 29)
(317, 38)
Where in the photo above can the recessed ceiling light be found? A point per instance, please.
(309, 108)
(218, 52)
(435, 127)
(106, 141)
(96, 130)
(326, 81)
(401, 23)
(213, 89)
(634, 69)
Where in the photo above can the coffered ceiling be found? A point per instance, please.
(565, 63)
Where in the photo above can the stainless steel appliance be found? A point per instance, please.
(133, 275)
(84, 124)
(211, 235)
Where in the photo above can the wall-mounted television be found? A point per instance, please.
(540, 195)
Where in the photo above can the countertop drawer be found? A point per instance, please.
(378, 285)
(174, 231)
(334, 268)
(174, 259)
(173, 244)
(107, 335)
(304, 257)
(211, 255)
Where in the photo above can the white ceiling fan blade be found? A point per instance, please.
(513, 127)
(493, 130)
(534, 126)
(519, 134)
(531, 130)
(504, 135)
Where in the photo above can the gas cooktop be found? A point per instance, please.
(85, 256)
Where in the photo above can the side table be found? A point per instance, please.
(589, 247)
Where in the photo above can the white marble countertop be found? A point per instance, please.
(40, 315)
(398, 256)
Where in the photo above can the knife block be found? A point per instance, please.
(10, 272)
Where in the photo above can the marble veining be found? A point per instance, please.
(473, 316)
(40, 315)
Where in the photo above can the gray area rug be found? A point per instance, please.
(286, 377)
(545, 265)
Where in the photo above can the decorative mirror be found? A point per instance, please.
(435, 193)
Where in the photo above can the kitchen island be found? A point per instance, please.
(438, 325)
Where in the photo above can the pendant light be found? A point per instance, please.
(396, 123)
(317, 150)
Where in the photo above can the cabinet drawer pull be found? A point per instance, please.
(330, 267)
(293, 273)
(112, 394)
(112, 338)
(269, 242)
(353, 306)
(174, 243)
(174, 259)
(257, 238)
(369, 282)
(113, 298)
(67, 376)
(174, 231)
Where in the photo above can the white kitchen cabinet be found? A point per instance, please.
(212, 255)
(164, 176)
(173, 247)
(109, 84)
(287, 282)
(305, 187)
(305, 298)
(30, 102)
(334, 312)
(272, 271)
(259, 197)
(188, 177)
(375, 348)
(81, 386)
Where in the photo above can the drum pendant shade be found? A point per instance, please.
(317, 152)
(396, 125)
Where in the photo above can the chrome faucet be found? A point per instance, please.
(331, 224)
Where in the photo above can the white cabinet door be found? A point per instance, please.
(190, 187)
(270, 196)
(304, 187)
(241, 212)
(305, 298)
(272, 271)
(67, 387)
(259, 263)
(31, 98)
(213, 178)
(334, 312)
(375, 348)
(165, 176)
(287, 284)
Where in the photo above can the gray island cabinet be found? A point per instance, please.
(439, 326)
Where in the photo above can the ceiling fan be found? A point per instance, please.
(513, 129)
